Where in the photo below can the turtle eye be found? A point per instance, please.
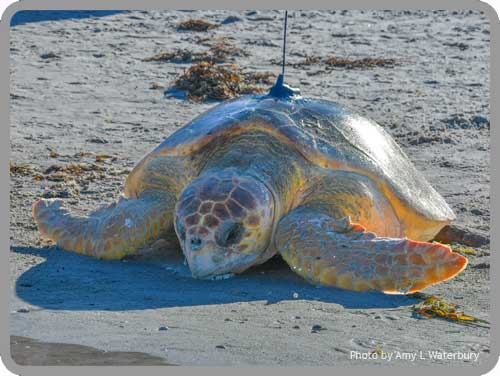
(229, 233)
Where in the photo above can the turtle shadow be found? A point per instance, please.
(67, 281)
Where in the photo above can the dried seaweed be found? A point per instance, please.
(367, 62)
(433, 306)
(308, 60)
(378, 350)
(156, 86)
(465, 251)
(221, 51)
(338, 62)
(265, 78)
(104, 157)
(195, 25)
(20, 169)
(63, 190)
(209, 81)
(53, 153)
(217, 53)
(75, 169)
(210, 40)
(82, 154)
(177, 56)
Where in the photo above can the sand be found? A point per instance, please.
(80, 87)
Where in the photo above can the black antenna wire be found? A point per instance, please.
(280, 90)
(284, 45)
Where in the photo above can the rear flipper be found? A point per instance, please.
(111, 232)
(342, 254)
(455, 234)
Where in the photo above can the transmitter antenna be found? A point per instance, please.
(280, 90)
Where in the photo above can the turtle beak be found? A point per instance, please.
(198, 256)
(207, 263)
(197, 272)
(201, 265)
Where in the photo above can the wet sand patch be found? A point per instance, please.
(30, 352)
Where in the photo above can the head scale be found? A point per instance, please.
(224, 222)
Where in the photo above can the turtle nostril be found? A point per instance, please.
(195, 243)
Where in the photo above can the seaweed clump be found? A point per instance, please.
(207, 80)
(438, 307)
(195, 25)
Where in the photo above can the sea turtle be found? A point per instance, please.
(327, 189)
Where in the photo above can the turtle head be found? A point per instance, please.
(224, 222)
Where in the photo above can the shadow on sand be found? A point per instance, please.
(26, 16)
(69, 281)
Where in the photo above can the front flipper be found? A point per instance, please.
(112, 232)
(343, 254)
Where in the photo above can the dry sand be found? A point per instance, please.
(81, 85)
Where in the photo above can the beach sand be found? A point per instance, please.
(80, 87)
